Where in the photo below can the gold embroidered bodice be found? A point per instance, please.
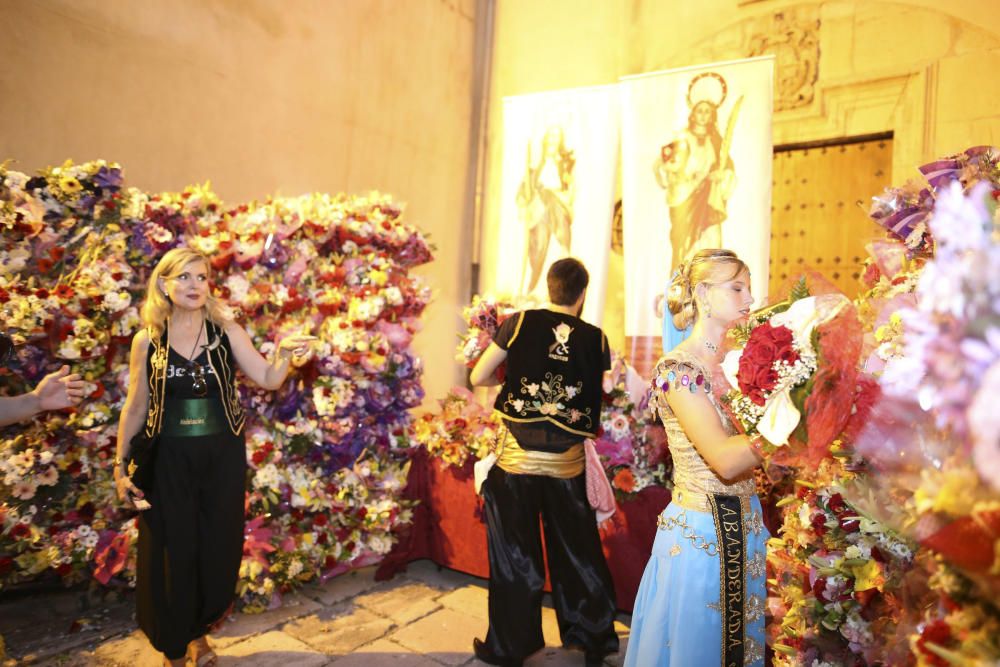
(681, 371)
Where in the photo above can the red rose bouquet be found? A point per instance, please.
(798, 357)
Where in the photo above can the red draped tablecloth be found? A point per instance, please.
(448, 527)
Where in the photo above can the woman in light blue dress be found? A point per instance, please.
(702, 596)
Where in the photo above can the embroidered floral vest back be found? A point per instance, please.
(555, 364)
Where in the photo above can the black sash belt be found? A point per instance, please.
(728, 514)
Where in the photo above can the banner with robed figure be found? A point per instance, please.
(560, 155)
(696, 173)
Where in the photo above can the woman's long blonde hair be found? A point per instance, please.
(711, 266)
(157, 307)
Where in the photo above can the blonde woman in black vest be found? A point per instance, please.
(183, 396)
(550, 403)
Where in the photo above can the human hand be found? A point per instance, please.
(128, 493)
(658, 304)
(298, 346)
(59, 390)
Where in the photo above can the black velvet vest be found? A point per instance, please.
(220, 356)
(555, 363)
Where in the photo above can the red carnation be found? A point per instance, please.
(64, 292)
(836, 503)
(819, 590)
(938, 633)
(849, 525)
(818, 523)
(625, 480)
(871, 276)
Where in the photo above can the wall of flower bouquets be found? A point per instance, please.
(326, 452)
(889, 548)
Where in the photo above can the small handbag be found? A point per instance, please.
(141, 459)
(482, 467)
(599, 493)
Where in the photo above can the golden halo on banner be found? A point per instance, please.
(703, 93)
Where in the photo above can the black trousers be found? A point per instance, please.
(191, 539)
(582, 590)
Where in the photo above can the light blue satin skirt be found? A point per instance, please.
(677, 619)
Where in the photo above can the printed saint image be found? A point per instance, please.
(545, 205)
(696, 170)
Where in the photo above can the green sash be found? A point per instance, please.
(193, 417)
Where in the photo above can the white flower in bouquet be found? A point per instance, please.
(266, 477)
(116, 301)
(393, 295)
(295, 567)
(48, 477)
(380, 543)
(14, 260)
(23, 489)
(127, 323)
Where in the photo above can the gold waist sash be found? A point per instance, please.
(699, 502)
(514, 459)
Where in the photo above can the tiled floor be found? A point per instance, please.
(422, 618)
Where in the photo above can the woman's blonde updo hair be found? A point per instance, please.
(710, 266)
(157, 307)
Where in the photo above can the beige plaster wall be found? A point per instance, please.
(925, 70)
(260, 97)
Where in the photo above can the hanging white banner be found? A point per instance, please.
(560, 153)
(696, 173)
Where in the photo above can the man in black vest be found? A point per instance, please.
(549, 403)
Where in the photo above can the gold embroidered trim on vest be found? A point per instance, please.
(218, 359)
(517, 329)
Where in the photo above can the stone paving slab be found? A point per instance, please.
(339, 630)
(471, 600)
(552, 656)
(41, 628)
(241, 626)
(341, 588)
(401, 600)
(436, 576)
(132, 650)
(384, 653)
(271, 649)
(445, 636)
